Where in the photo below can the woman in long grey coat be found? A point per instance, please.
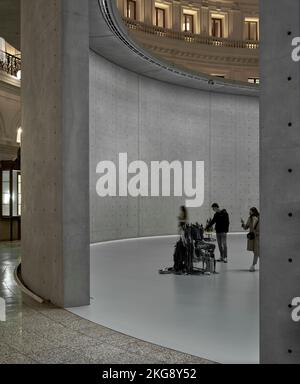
(253, 237)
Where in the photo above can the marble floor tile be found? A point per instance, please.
(41, 333)
(97, 331)
(105, 354)
(9, 355)
(27, 342)
(68, 338)
(118, 339)
(64, 355)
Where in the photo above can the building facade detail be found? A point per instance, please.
(199, 35)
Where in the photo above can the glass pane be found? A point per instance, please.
(131, 10)
(160, 17)
(188, 23)
(5, 210)
(253, 80)
(246, 30)
(217, 28)
(6, 198)
(15, 193)
(253, 31)
(5, 187)
(5, 176)
(19, 194)
(6, 193)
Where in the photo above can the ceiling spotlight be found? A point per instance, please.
(211, 82)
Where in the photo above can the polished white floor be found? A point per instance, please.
(213, 317)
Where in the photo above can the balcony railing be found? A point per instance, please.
(10, 64)
(189, 37)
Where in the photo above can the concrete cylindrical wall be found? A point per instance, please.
(280, 184)
(155, 121)
(55, 150)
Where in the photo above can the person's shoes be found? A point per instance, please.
(220, 261)
(252, 269)
(225, 261)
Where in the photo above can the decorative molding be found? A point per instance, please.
(8, 152)
(9, 79)
(202, 53)
(190, 38)
(108, 28)
(216, 59)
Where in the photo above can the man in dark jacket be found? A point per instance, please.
(221, 222)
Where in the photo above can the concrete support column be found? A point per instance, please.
(280, 181)
(55, 151)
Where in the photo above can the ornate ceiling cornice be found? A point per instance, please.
(109, 38)
(203, 58)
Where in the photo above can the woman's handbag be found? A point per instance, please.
(251, 236)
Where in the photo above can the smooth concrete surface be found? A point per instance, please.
(55, 155)
(280, 181)
(36, 333)
(154, 121)
(216, 317)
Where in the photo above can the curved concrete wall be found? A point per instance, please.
(153, 120)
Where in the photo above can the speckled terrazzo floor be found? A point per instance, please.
(41, 333)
